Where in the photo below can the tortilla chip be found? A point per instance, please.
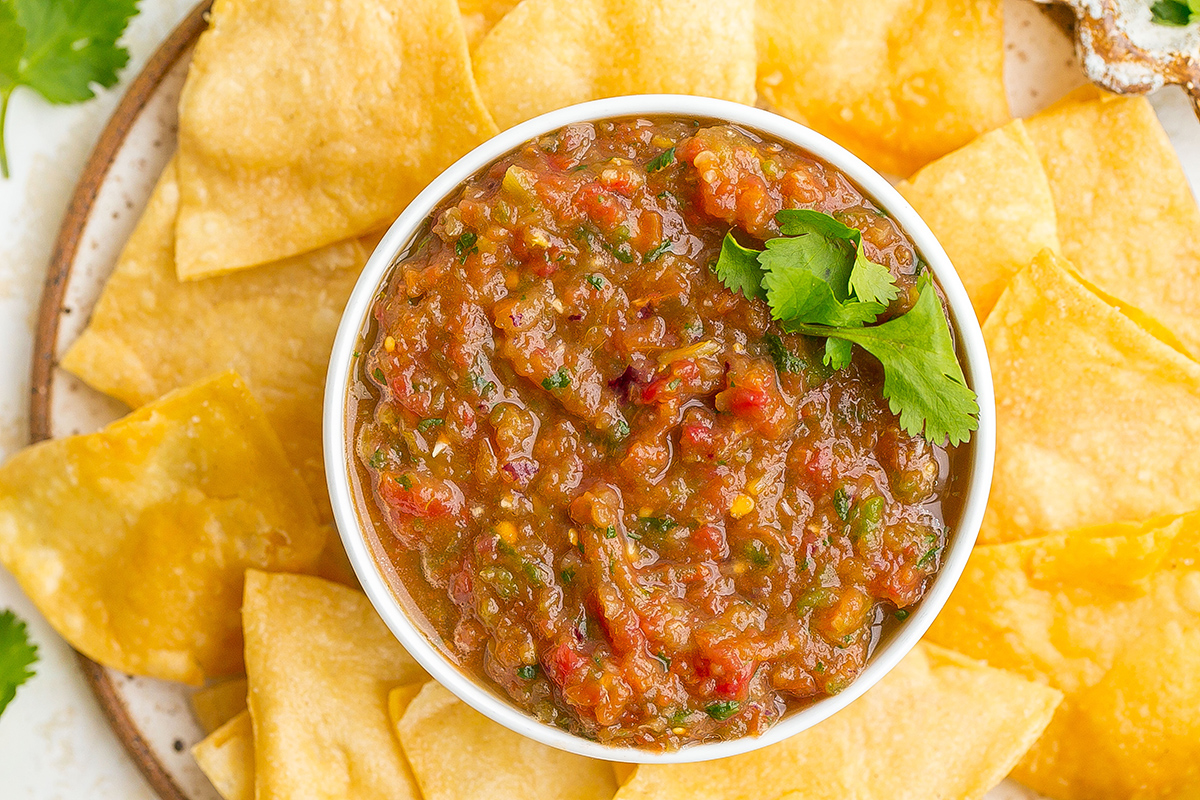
(1126, 215)
(1111, 616)
(334, 564)
(458, 754)
(320, 663)
(133, 541)
(939, 725)
(275, 325)
(226, 758)
(400, 698)
(623, 772)
(1096, 418)
(217, 704)
(899, 82)
(990, 206)
(375, 100)
(546, 54)
(480, 16)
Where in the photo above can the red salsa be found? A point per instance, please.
(609, 486)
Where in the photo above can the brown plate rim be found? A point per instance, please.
(66, 245)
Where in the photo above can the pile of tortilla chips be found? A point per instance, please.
(182, 541)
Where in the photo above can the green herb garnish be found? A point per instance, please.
(657, 252)
(722, 709)
(527, 672)
(661, 161)
(559, 380)
(818, 282)
(658, 524)
(841, 502)
(785, 360)
(595, 281)
(1175, 12)
(378, 459)
(59, 48)
(405, 482)
(758, 554)
(465, 246)
(610, 532)
(17, 657)
(900, 614)
(424, 425)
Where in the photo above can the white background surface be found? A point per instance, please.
(54, 742)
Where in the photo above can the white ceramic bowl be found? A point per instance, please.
(339, 442)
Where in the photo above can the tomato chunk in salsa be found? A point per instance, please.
(614, 488)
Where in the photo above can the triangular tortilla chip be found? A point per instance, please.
(459, 754)
(939, 725)
(217, 704)
(989, 204)
(226, 757)
(898, 82)
(151, 333)
(303, 123)
(1096, 419)
(1111, 616)
(480, 16)
(1126, 215)
(546, 54)
(320, 663)
(133, 541)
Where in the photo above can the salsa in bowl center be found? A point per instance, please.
(653, 433)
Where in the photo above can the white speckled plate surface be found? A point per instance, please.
(153, 718)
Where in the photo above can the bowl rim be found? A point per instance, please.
(338, 448)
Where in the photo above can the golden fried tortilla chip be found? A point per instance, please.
(480, 16)
(226, 757)
(217, 704)
(939, 725)
(151, 333)
(989, 204)
(899, 82)
(1111, 616)
(1096, 418)
(303, 123)
(458, 754)
(321, 663)
(133, 541)
(546, 54)
(1126, 216)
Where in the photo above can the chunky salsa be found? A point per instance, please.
(614, 488)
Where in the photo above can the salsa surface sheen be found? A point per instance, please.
(611, 486)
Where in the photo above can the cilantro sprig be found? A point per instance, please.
(818, 281)
(59, 48)
(1175, 12)
(17, 657)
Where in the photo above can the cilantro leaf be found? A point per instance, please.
(59, 48)
(1175, 12)
(738, 268)
(17, 657)
(808, 278)
(838, 353)
(871, 282)
(661, 161)
(923, 381)
(799, 221)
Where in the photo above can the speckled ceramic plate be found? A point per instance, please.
(153, 718)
